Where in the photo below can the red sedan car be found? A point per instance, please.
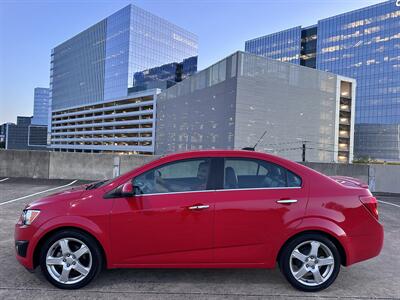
(204, 209)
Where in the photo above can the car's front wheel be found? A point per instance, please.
(310, 262)
(70, 259)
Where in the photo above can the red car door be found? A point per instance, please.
(259, 203)
(170, 221)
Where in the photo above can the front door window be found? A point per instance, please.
(181, 176)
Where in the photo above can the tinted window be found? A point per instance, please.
(293, 180)
(246, 167)
(252, 173)
(180, 176)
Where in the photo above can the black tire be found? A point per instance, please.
(95, 252)
(285, 261)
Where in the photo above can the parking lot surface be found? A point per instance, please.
(378, 278)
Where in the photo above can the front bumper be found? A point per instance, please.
(24, 245)
(21, 247)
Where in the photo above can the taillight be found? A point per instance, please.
(371, 204)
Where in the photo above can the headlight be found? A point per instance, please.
(29, 215)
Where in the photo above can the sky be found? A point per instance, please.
(30, 29)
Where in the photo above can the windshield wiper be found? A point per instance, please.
(95, 185)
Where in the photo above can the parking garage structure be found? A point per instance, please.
(231, 104)
(121, 125)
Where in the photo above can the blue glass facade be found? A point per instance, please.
(164, 76)
(363, 44)
(155, 42)
(282, 46)
(99, 63)
(117, 54)
(77, 68)
(41, 106)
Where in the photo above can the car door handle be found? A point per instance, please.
(198, 207)
(286, 201)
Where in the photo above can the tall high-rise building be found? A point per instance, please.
(115, 61)
(363, 44)
(41, 106)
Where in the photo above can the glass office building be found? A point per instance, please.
(114, 61)
(99, 63)
(41, 106)
(282, 46)
(363, 44)
(164, 76)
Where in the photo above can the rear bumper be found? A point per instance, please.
(365, 246)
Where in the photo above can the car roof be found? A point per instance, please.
(218, 152)
(226, 153)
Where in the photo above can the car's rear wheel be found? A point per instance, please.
(70, 259)
(310, 262)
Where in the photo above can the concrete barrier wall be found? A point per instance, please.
(88, 166)
(21, 163)
(358, 171)
(69, 165)
(384, 178)
(130, 162)
(93, 166)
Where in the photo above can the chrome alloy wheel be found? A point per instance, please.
(68, 260)
(312, 263)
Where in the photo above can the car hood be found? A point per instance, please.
(65, 195)
(350, 181)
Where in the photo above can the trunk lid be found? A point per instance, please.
(350, 181)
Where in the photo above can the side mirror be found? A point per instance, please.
(127, 190)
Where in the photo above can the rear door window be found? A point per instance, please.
(243, 173)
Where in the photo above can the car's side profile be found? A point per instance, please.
(204, 209)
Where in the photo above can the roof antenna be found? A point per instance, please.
(254, 147)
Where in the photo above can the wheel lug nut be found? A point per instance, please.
(307, 266)
(68, 265)
(64, 260)
(73, 263)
